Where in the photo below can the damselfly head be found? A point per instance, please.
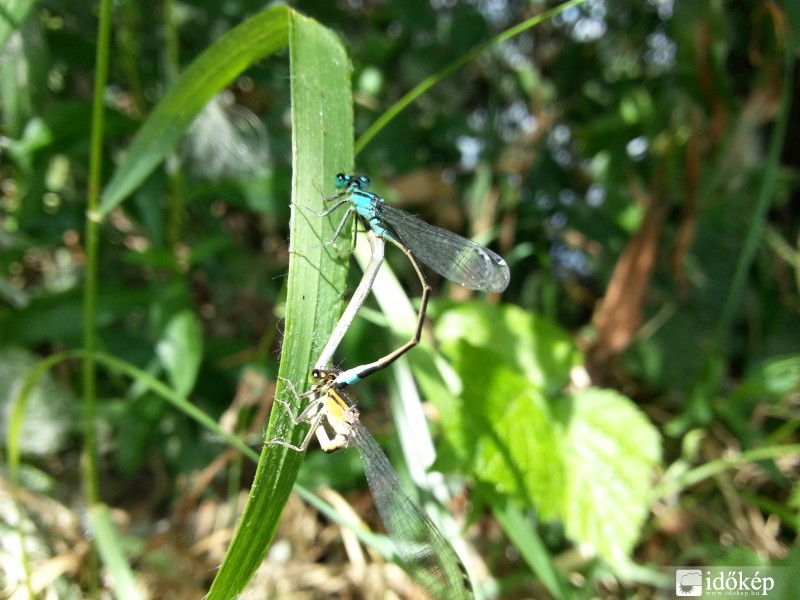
(344, 181)
(325, 375)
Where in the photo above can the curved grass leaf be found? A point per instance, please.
(33, 377)
(241, 47)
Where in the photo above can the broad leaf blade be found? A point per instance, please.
(519, 449)
(612, 455)
(510, 364)
(532, 344)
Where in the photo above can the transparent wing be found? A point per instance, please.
(458, 259)
(429, 557)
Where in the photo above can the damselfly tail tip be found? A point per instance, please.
(501, 276)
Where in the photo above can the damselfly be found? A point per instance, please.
(452, 256)
(427, 555)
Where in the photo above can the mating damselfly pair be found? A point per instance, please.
(458, 259)
(332, 416)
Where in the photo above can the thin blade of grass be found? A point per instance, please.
(108, 543)
(399, 106)
(532, 548)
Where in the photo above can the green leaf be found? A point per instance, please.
(322, 129)
(495, 413)
(529, 358)
(180, 351)
(612, 452)
(235, 51)
(518, 448)
(539, 348)
(588, 458)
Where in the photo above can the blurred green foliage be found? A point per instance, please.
(635, 164)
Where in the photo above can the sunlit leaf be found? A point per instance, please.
(537, 347)
(612, 452)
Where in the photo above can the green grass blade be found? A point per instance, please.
(108, 543)
(766, 198)
(532, 548)
(89, 465)
(431, 81)
(253, 40)
(322, 123)
(32, 377)
(672, 485)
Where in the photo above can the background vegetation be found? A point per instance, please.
(629, 403)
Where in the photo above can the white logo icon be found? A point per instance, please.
(688, 582)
